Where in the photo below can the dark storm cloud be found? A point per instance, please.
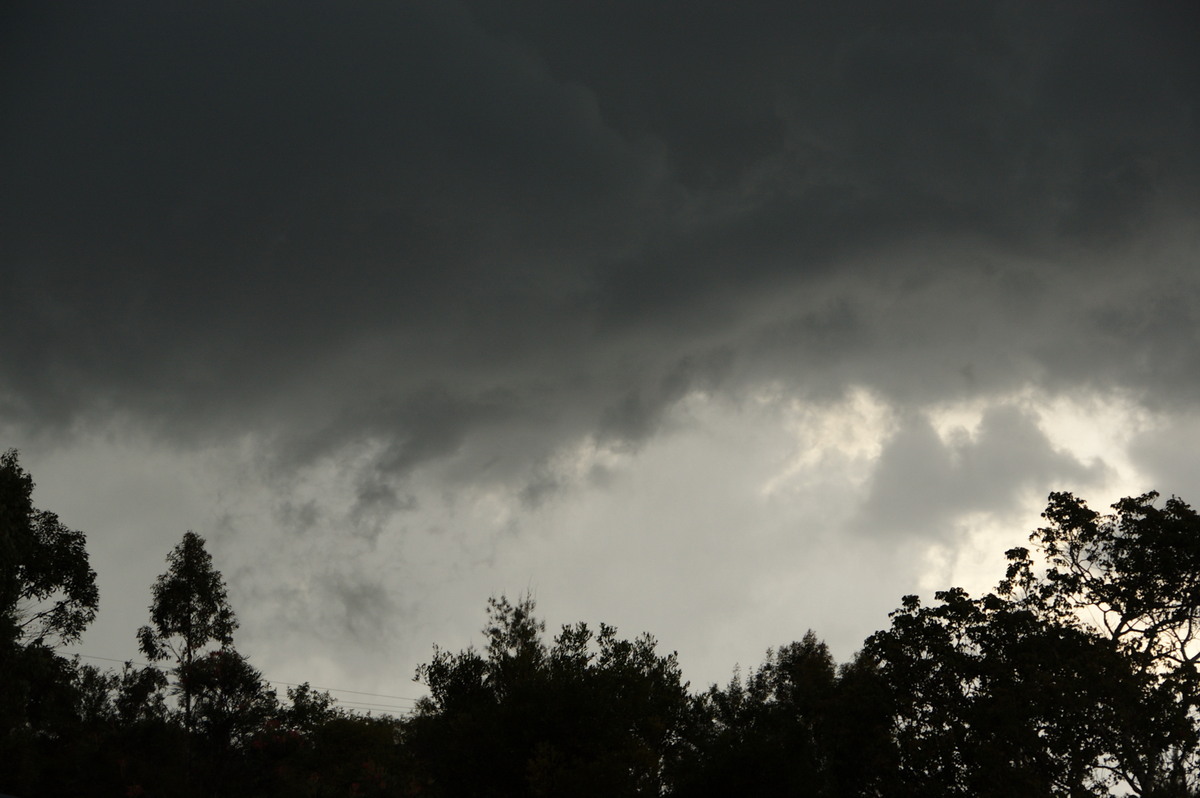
(635, 416)
(479, 229)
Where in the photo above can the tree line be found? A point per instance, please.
(1077, 676)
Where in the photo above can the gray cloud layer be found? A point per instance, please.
(482, 230)
(401, 258)
(922, 483)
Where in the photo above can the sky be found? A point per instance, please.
(718, 321)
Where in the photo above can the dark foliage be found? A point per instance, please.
(47, 588)
(1077, 677)
(589, 714)
(795, 726)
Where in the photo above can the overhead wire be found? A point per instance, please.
(355, 706)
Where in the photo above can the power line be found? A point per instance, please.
(360, 706)
(342, 690)
(286, 684)
(122, 661)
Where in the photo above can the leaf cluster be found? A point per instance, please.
(190, 607)
(588, 714)
(48, 590)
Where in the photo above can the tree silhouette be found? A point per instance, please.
(47, 588)
(231, 698)
(990, 700)
(797, 725)
(48, 596)
(231, 703)
(1132, 578)
(591, 714)
(1077, 677)
(189, 611)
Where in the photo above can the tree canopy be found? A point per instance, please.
(47, 587)
(48, 596)
(189, 611)
(588, 714)
(1077, 676)
(190, 607)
